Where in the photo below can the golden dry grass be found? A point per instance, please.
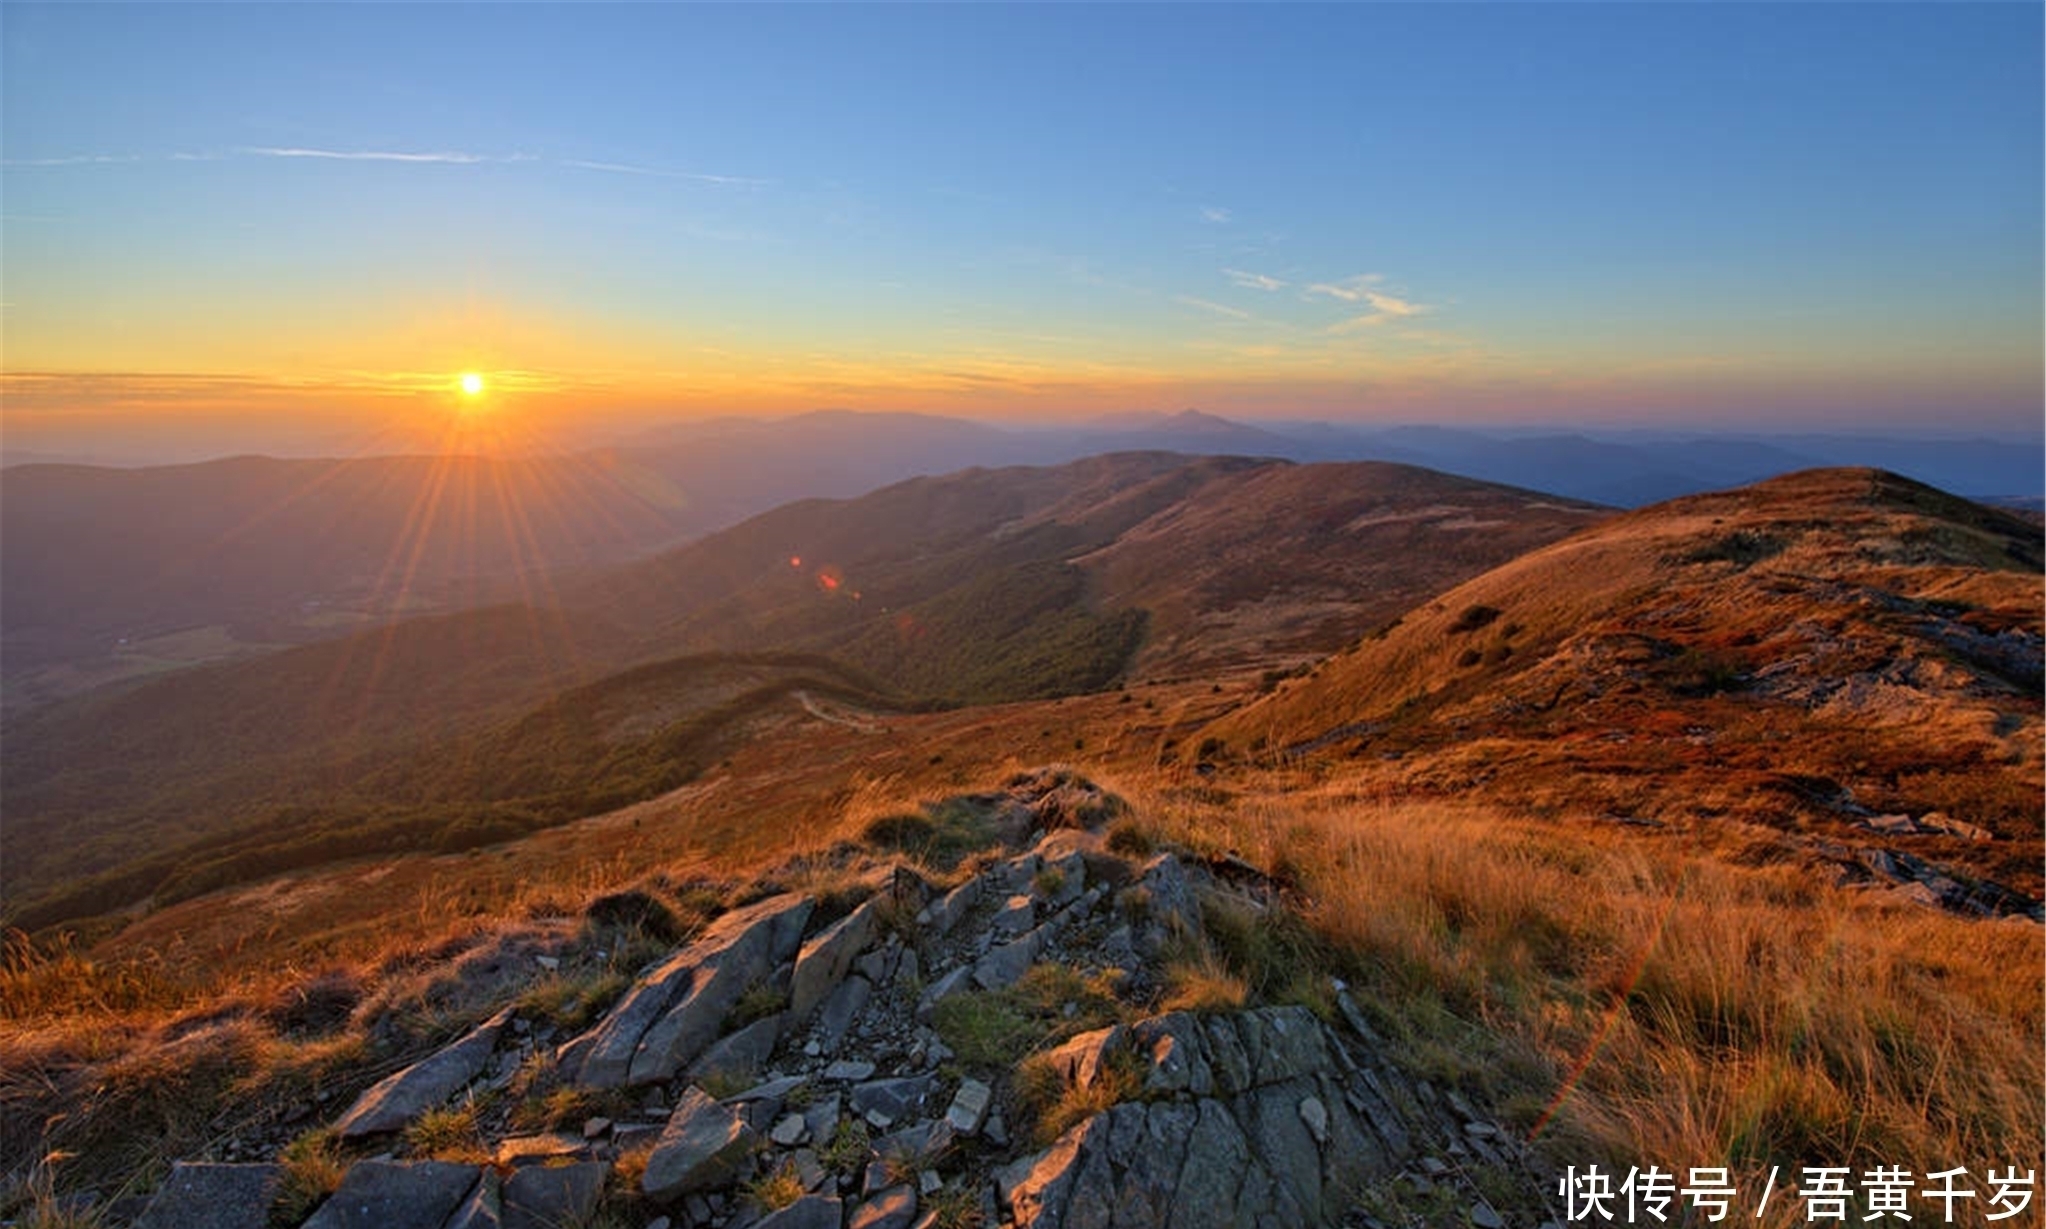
(1650, 999)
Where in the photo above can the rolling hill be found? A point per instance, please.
(1809, 654)
(981, 586)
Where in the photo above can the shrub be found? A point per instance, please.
(1473, 618)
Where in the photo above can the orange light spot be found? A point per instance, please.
(795, 561)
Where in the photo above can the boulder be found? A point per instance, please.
(206, 1196)
(700, 1148)
(397, 1195)
(427, 1084)
(673, 1012)
(969, 1106)
(825, 959)
(809, 1212)
(894, 1208)
(548, 1198)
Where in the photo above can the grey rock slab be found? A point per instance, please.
(1017, 914)
(946, 912)
(198, 1195)
(849, 1069)
(554, 1196)
(484, 1208)
(826, 958)
(790, 1131)
(894, 1208)
(841, 1009)
(969, 1106)
(700, 1148)
(878, 966)
(673, 1012)
(743, 1052)
(894, 1100)
(396, 1195)
(1484, 1217)
(822, 1117)
(1005, 964)
(772, 1090)
(809, 1212)
(945, 987)
(427, 1084)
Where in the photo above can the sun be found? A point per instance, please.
(472, 384)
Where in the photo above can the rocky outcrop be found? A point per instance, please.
(424, 1085)
(855, 1110)
(678, 1009)
(1247, 1118)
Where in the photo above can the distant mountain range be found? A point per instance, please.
(115, 573)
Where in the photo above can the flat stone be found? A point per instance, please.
(877, 966)
(1017, 914)
(1484, 1217)
(1005, 964)
(969, 1106)
(790, 1131)
(555, 1195)
(540, 1149)
(198, 1195)
(844, 1005)
(740, 1053)
(396, 1195)
(822, 1116)
(395, 1101)
(700, 1148)
(945, 987)
(946, 913)
(809, 1212)
(809, 1168)
(894, 1208)
(849, 1069)
(894, 1100)
(673, 1012)
(825, 959)
(1080, 1059)
(773, 1090)
(596, 1128)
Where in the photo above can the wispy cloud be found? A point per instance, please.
(628, 168)
(1214, 213)
(1350, 289)
(1253, 281)
(436, 157)
(1218, 308)
(74, 160)
(454, 157)
(1384, 307)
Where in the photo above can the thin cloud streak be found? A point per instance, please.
(1350, 289)
(1253, 281)
(627, 168)
(452, 157)
(1218, 308)
(1214, 213)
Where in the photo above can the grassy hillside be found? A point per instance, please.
(591, 749)
(1802, 654)
(978, 587)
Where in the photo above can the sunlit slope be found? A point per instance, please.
(1819, 647)
(1302, 559)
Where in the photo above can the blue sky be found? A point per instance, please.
(1806, 215)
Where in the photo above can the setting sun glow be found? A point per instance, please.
(472, 384)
